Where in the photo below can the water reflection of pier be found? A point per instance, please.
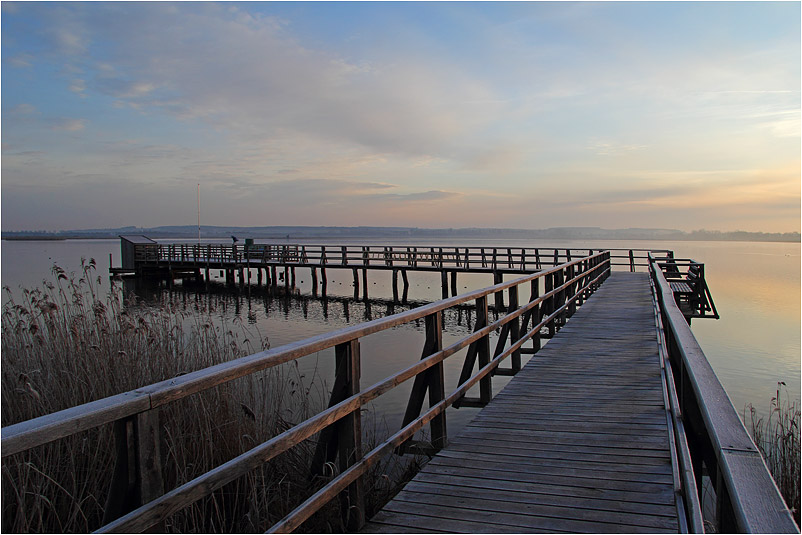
(244, 299)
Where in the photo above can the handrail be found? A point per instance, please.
(748, 499)
(428, 258)
(567, 285)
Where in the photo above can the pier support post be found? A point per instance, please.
(314, 281)
(274, 276)
(395, 285)
(453, 283)
(498, 277)
(406, 286)
(365, 283)
(292, 277)
(356, 283)
(323, 281)
(444, 283)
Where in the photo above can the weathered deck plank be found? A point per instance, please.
(576, 442)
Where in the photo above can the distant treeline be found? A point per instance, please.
(301, 232)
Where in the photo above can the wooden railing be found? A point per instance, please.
(510, 259)
(135, 414)
(747, 499)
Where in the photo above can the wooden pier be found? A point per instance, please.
(617, 423)
(276, 264)
(557, 450)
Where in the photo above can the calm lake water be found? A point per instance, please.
(755, 286)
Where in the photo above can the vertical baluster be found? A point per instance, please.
(515, 332)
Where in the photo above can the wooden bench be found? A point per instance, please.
(690, 284)
(687, 291)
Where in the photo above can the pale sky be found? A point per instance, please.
(525, 115)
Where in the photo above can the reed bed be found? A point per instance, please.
(68, 343)
(777, 436)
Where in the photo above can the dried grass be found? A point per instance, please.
(777, 438)
(64, 345)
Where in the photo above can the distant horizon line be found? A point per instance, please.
(330, 231)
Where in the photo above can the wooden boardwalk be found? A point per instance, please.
(577, 442)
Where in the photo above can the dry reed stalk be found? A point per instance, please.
(63, 345)
(777, 436)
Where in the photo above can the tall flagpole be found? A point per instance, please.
(198, 214)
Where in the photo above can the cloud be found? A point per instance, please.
(611, 148)
(23, 109)
(423, 196)
(68, 125)
(21, 60)
(249, 75)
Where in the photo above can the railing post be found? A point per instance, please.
(631, 261)
(548, 304)
(352, 501)
(515, 331)
(571, 291)
(560, 280)
(431, 380)
(137, 475)
(342, 441)
(534, 294)
(483, 351)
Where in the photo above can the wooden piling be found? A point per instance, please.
(498, 277)
(365, 283)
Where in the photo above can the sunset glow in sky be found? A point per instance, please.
(526, 115)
